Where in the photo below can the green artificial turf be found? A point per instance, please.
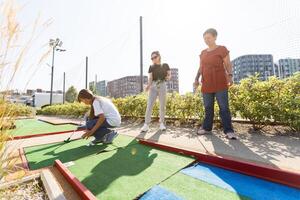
(44, 155)
(127, 172)
(190, 188)
(33, 126)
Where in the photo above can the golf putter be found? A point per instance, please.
(69, 138)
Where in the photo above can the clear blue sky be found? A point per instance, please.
(108, 32)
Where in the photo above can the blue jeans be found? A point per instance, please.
(101, 131)
(222, 100)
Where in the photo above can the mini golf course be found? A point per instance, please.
(128, 169)
(34, 126)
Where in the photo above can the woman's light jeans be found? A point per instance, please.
(157, 89)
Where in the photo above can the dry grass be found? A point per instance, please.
(30, 190)
(13, 50)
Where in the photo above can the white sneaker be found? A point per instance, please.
(202, 131)
(91, 143)
(231, 136)
(162, 127)
(145, 128)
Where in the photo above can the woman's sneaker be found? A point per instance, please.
(162, 127)
(231, 136)
(202, 131)
(145, 128)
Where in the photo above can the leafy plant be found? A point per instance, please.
(261, 102)
(71, 94)
(69, 109)
(288, 104)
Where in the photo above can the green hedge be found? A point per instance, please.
(265, 102)
(260, 102)
(183, 107)
(69, 109)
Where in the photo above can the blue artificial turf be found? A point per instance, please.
(249, 186)
(159, 193)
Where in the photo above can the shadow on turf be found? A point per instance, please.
(66, 155)
(122, 163)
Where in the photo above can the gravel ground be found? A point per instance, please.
(32, 190)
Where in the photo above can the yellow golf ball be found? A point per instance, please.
(133, 151)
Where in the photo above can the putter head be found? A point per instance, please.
(67, 140)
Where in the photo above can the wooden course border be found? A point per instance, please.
(59, 123)
(82, 191)
(23, 159)
(42, 134)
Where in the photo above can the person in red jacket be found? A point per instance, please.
(216, 76)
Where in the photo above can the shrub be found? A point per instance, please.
(71, 94)
(69, 109)
(289, 103)
(261, 102)
(256, 100)
(266, 102)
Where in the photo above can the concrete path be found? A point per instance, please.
(274, 150)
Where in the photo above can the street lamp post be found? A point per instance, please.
(54, 44)
(141, 55)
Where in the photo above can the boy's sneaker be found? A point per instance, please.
(162, 127)
(95, 141)
(110, 137)
(90, 144)
(202, 131)
(231, 136)
(145, 128)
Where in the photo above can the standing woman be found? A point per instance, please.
(216, 77)
(158, 75)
